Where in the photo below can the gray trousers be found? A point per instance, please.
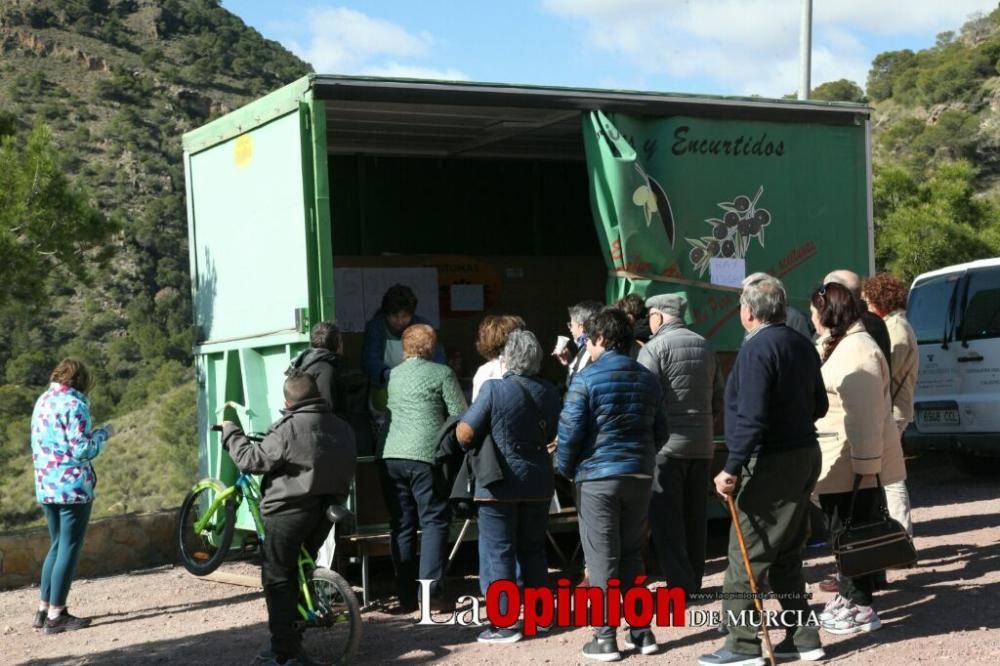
(677, 516)
(773, 507)
(612, 514)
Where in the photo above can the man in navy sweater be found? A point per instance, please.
(774, 394)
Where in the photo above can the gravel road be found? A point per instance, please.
(945, 611)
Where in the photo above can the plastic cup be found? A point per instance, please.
(561, 342)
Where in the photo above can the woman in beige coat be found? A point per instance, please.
(857, 436)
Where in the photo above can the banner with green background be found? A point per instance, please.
(669, 195)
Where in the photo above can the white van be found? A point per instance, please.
(955, 313)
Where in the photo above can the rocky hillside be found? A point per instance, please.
(937, 150)
(118, 82)
(942, 102)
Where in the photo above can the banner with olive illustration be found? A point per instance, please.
(673, 197)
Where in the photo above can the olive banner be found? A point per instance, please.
(692, 205)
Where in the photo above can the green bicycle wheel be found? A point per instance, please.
(203, 551)
(333, 635)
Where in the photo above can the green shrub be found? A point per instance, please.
(841, 90)
(938, 222)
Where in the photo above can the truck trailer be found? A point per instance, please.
(305, 204)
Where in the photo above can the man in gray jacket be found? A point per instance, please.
(689, 374)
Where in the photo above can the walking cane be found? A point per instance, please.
(753, 581)
(458, 542)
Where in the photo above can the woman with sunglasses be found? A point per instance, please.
(857, 437)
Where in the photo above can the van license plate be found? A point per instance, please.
(938, 416)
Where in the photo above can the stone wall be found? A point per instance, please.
(111, 546)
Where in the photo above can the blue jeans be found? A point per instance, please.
(512, 543)
(67, 525)
(408, 489)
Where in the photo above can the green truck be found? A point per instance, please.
(305, 204)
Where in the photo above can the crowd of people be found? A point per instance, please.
(811, 406)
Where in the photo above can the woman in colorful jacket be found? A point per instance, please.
(63, 444)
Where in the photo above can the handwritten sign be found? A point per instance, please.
(727, 272)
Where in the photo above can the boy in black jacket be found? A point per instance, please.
(322, 362)
(307, 457)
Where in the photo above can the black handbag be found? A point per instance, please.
(871, 546)
(463, 492)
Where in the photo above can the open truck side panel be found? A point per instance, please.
(529, 193)
(255, 264)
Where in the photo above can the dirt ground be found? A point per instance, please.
(945, 611)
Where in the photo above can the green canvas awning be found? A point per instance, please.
(691, 205)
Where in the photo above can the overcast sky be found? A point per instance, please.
(734, 47)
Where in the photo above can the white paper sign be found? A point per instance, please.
(467, 298)
(349, 299)
(358, 293)
(727, 272)
(423, 282)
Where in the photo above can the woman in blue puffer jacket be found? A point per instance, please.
(63, 444)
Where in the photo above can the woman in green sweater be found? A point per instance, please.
(422, 394)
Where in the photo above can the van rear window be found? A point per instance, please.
(981, 318)
(927, 309)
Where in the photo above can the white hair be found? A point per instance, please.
(522, 354)
(765, 296)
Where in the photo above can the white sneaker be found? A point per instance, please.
(832, 608)
(853, 619)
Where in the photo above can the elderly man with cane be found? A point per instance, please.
(774, 394)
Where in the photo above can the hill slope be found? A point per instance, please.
(118, 82)
(937, 150)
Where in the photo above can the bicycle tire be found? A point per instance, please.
(200, 555)
(325, 640)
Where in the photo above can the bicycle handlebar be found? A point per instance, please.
(252, 436)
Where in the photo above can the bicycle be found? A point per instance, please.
(327, 603)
